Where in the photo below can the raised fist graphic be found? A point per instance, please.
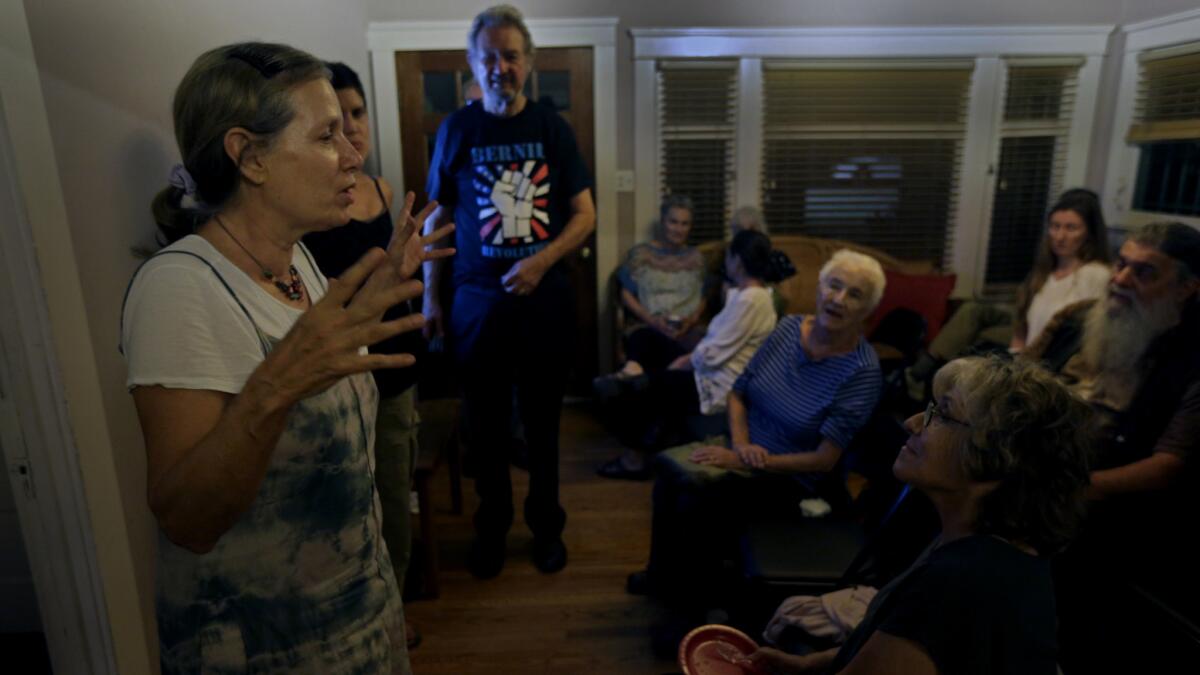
(512, 196)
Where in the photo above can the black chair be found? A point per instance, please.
(880, 535)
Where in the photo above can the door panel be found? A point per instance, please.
(432, 84)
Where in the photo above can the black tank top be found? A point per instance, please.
(337, 249)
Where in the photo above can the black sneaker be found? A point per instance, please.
(549, 555)
(486, 558)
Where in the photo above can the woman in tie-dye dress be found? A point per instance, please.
(252, 385)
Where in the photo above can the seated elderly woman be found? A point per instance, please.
(662, 286)
(801, 400)
(699, 382)
(1001, 452)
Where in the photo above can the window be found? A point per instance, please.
(697, 123)
(1039, 104)
(865, 151)
(1167, 131)
(889, 137)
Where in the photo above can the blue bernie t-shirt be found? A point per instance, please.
(510, 181)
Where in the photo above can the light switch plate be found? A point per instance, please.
(625, 180)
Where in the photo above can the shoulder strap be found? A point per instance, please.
(386, 206)
(313, 267)
(262, 338)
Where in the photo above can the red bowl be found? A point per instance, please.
(715, 650)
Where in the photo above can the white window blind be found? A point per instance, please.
(865, 151)
(1039, 104)
(697, 109)
(1167, 129)
(1168, 102)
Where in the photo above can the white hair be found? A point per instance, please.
(498, 16)
(845, 259)
(750, 213)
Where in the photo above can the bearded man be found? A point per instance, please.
(1135, 356)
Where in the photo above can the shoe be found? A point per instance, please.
(638, 583)
(616, 469)
(607, 387)
(486, 558)
(412, 636)
(549, 555)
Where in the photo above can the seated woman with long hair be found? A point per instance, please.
(799, 403)
(1001, 452)
(1072, 264)
(697, 383)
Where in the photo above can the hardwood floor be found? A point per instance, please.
(577, 621)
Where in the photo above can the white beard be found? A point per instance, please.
(1115, 336)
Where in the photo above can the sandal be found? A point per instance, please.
(617, 470)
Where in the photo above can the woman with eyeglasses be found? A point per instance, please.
(1001, 452)
(792, 412)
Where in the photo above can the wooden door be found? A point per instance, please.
(433, 84)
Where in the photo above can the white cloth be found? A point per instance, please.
(1085, 283)
(213, 345)
(832, 615)
(733, 336)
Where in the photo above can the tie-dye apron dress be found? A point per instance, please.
(302, 583)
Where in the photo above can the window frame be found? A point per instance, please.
(1123, 157)
(987, 46)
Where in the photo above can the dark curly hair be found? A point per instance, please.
(1032, 436)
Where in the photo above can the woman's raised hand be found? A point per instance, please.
(323, 345)
(408, 249)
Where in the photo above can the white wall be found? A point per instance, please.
(108, 72)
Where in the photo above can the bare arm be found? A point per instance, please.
(432, 306)
(739, 426)
(526, 274)
(776, 662)
(822, 460)
(1154, 473)
(207, 451)
(885, 654)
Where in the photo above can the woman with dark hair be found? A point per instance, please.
(335, 250)
(1001, 452)
(697, 383)
(249, 373)
(1071, 265)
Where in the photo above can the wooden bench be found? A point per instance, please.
(437, 442)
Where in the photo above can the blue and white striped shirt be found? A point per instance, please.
(793, 402)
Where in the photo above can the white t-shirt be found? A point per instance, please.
(181, 328)
(733, 336)
(1085, 283)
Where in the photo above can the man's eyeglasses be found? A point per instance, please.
(932, 410)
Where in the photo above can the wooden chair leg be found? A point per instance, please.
(430, 548)
(454, 466)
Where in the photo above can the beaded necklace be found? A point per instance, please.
(293, 289)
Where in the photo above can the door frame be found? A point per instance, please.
(51, 421)
(384, 39)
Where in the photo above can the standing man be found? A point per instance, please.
(507, 172)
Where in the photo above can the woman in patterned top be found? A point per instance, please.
(662, 286)
(697, 383)
(252, 383)
(797, 406)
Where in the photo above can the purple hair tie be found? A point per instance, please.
(180, 178)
